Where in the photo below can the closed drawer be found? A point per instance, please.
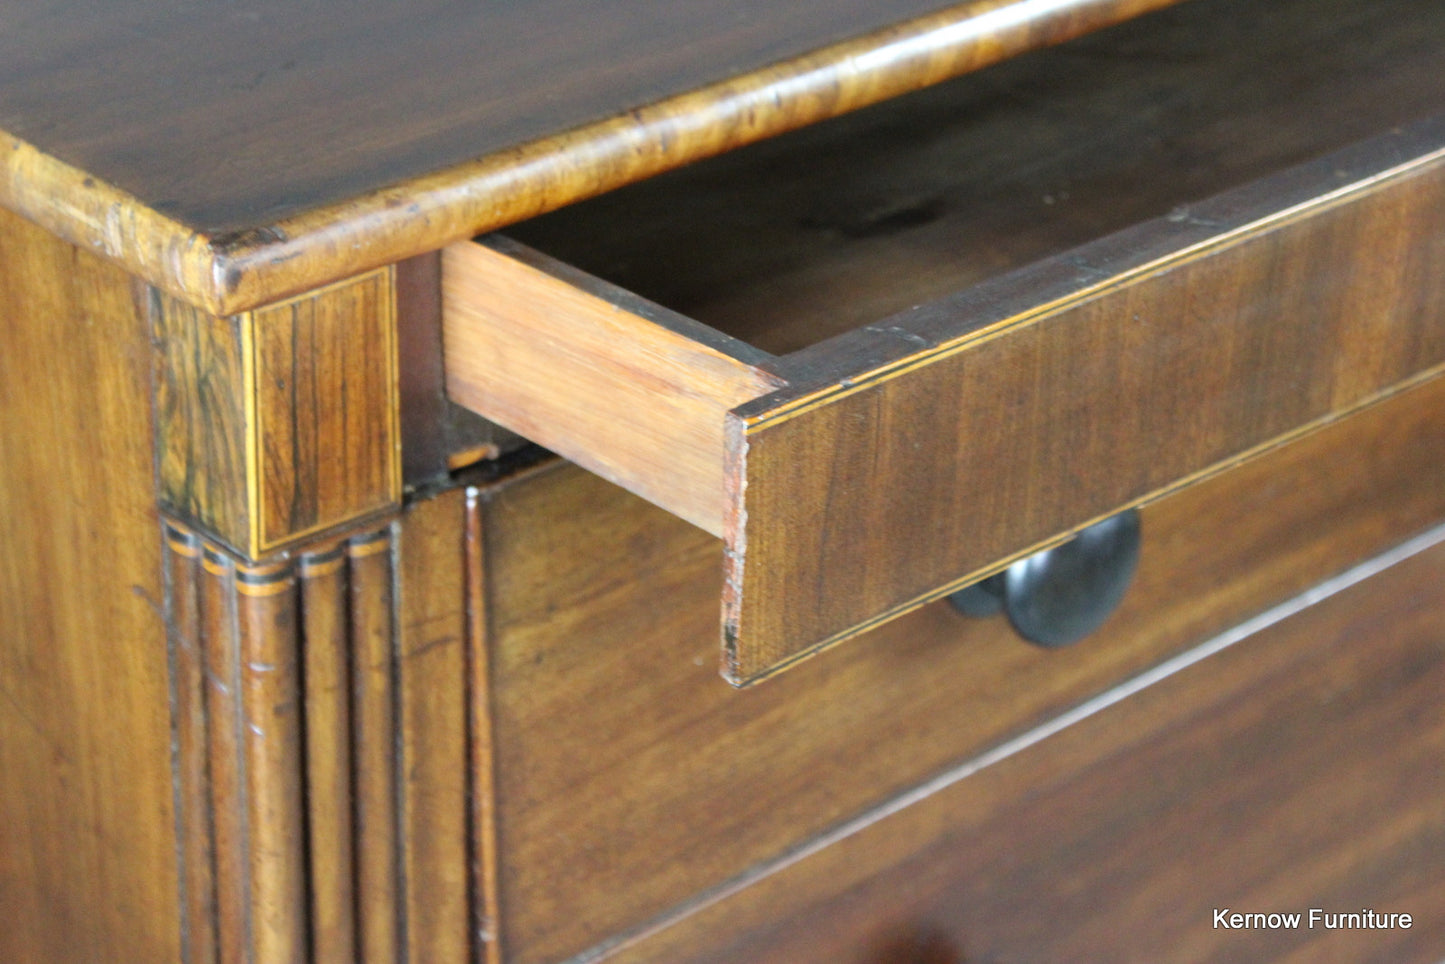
(631, 785)
(1298, 767)
(944, 358)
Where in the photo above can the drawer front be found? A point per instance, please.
(1131, 367)
(629, 780)
(1298, 768)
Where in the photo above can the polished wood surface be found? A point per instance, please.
(306, 147)
(291, 844)
(1178, 352)
(484, 851)
(87, 819)
(326, 443)
(219, 714)
(330, 824)
(340, 800)
(280, 424)
(374, 797)
(265, 677)
(434, 729)
(241, 622)
(631, 391)
(631, 781)
(1297, 768)
(277, 686)
(195, 829)
(201, 390)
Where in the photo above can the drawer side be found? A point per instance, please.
(618, 385)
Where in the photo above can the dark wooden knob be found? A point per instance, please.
(1059, 596)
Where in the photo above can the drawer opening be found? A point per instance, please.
(890, 354)
(834, 227)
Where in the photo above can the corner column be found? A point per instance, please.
(279, 475)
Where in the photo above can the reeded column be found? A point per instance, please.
(279, 477)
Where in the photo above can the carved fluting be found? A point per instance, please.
(188, 685)
(374, 786)
(284, 677)
(327, 676)
(270, 763)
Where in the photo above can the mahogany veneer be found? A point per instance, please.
(302, 660)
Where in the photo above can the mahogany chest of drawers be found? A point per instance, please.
(407, 409)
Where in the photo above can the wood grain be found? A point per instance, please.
(272, 764)
(601, 620)
(279, 425)
(1051, 400)
(1298, 768)
(422, 394)
(433, 691)
(375, 785)
(88, 828)
(327, 446)
(253, 723)
(330, 830)
(918, 454)
(291, 815)
(340, 152)
(631, 391)
(219, 624)
(194, 819)
(201, 390)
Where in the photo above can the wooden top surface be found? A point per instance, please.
(227, 115)
(235, 151)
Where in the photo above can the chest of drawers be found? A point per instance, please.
(309, 652)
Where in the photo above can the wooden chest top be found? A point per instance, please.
(235, 153)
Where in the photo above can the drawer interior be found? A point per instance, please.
(828, 229)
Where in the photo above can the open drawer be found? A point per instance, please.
(904, 348)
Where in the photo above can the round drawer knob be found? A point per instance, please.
(1059, 596)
